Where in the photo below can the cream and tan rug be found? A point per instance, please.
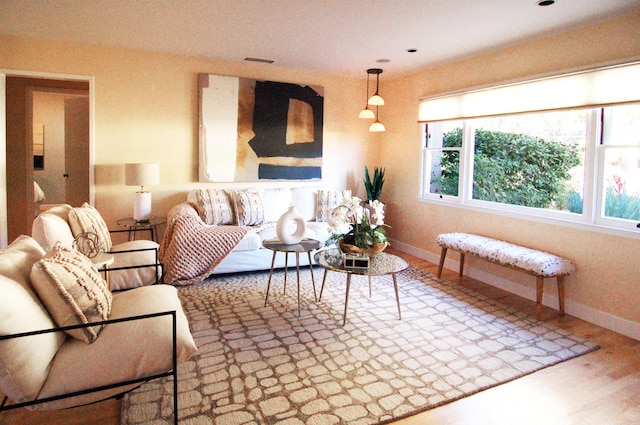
(266, 365)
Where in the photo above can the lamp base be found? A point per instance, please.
(142, 206)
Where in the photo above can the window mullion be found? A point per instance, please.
(591, 203)
(466, 162)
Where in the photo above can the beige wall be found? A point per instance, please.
(608, 277)
(146, 110)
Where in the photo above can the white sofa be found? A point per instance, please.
(184, 247)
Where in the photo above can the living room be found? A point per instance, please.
(145, 109)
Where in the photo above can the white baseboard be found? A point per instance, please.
(592, 315)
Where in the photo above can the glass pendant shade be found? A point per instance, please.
(376, 100)
(377, 127)
(367, 113)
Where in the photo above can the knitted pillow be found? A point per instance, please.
(72, 290)
(248, 208)
(329, 199)
(87, 219)
(214, 206)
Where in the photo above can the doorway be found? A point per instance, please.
(66, 172)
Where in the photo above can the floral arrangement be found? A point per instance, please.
(357, 223)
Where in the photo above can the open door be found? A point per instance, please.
(18, 161)
(76, 152)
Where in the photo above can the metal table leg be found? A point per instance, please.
(273, 260)
(346, 299)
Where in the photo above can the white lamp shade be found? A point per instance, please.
(376, 100)
(377, 127)
(367, 114)
(142, 174)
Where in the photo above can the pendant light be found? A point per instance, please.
(377, 126)
(376, 99)
(366, 112)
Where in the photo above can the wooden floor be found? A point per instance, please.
(600, 388)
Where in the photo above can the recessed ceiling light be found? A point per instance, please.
(545, 2)
(383, 60)
(250, 59)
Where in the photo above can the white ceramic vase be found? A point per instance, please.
(286, 224)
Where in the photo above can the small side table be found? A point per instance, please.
(102, 262)
(134, 226)
(305, 245)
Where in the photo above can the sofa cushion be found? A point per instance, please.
(124, 351)
(53, 226)
(72, 290)
(304, 199)
(87, 219)
(24, 362)
(214, 206)
(133, 278)
(270, 232)
(248, 208)
(275, 202)
(329, 199)
(249, 242)
(320, 229)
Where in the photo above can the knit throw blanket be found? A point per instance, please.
(191, 249)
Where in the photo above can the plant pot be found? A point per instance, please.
(371, 252)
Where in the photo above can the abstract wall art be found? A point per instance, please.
(252, 130)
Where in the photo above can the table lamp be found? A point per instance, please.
(142, 175)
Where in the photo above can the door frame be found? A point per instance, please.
(4, 73)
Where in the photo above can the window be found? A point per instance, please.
(620, 152)
(580, 165)
(560, 149)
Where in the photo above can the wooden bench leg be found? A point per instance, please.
(461, 263)
(539, 289)
(441, 265)
(561, 294)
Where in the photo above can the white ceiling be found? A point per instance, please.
(331, 36)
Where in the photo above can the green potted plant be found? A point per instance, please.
(373, 186)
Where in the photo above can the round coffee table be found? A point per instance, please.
(381, 265)
(305, 245)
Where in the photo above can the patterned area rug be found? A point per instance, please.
(266, 365)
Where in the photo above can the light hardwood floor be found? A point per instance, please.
(600, 388)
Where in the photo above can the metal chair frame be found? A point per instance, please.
(173, 372)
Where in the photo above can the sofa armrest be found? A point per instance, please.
(126, 383)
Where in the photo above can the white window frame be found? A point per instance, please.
(592, 217)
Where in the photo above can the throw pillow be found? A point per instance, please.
(87, 219)
(275, 202)
(72, 290)
(329, 199)
(248, 207)
(24, 362)
(214, 206)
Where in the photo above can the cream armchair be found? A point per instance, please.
(135, 262)
(48, 358)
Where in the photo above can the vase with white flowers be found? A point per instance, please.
(358, 227)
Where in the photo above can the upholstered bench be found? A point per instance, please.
(538, 263)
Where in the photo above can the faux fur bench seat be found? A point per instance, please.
(538, 263)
